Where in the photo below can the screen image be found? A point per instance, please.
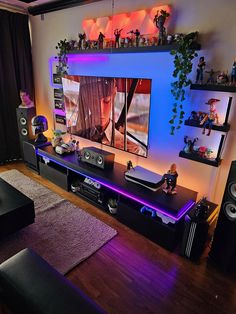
(109, 110)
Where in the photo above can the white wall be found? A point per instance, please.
(217, 27)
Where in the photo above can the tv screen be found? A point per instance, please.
(109, 110)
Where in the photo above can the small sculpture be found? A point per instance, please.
(170, 180)
(26, 102)
(137, 37)
(233, 73)
(101, 37)
(82, 38)
(189, 147)
(211, 117)
(117, 33)
(160, 21)
(211, 79)
(39, 124)
(57, 138)
(129, 165)
(200, 70)
(222, 78)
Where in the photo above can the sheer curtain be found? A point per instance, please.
(15, 74)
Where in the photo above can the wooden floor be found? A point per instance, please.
(131, 274)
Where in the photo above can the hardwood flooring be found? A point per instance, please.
(131, 274)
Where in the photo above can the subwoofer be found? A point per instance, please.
(223, 249)
(24, 117)
(97, 157)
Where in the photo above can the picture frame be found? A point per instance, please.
(60, 119)
(57, 79)
(58, 93)
(59, 104)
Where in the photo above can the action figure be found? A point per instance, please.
(129, 165)
(200, 69)
(137, 37)
(101, 37)
(26, 102)
(171, 180)
(160, 21)
(189, 147)
(222, 78)
(210, 79)
(82, 38)
(211, 117)
(117, 37)
(233, 73)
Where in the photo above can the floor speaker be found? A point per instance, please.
(223, 249)
(97, 157)
(24, 117)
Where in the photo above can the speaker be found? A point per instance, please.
(223, 249)
(24, 117)
(97, 157)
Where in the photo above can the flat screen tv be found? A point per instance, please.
(109, 110)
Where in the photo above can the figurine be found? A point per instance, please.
(101, 37)
(210, 79)
(129, 165)
(233, 73)
(222, 78)
(211, 117)
(200, 69)
(57, 139)
(82, 38)
(189, 147)
(171, 180)
(26, 102)
(117, 37)
(160, 21)
(137, 37)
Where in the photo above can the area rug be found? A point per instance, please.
(63, 234)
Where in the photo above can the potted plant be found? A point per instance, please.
(184, 53)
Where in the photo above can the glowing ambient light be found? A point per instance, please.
(181, 212)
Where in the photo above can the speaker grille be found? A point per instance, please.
(230, 211)
(232, 190)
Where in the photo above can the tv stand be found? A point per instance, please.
(166, 228)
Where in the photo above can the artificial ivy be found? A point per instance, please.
(183, 56)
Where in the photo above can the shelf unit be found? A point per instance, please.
(225, 127)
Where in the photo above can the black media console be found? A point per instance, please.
(165, 228)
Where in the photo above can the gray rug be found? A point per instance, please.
(63, 234)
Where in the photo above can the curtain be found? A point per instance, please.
(15, 73)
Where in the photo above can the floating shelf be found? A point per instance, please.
(160, 48)
(222, 128)
(195, 157)
(214, 87)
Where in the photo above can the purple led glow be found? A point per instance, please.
(181, 212)
(59, 112)
(75, 58)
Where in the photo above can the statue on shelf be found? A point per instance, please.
(160, 19)
(117, 33)
(101, 37)
(200, 70)
(82, 38)
(233, 73)
(211, 79)
(211, 117)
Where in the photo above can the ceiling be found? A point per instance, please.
(36, 7)
(24, 4)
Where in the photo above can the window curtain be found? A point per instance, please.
(15, 73)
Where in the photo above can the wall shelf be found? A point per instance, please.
(195, 157)
(214, 87)
(222, 128)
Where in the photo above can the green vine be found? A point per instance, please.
(183, 56)
(64, 47)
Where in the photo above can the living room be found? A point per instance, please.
(120, 275)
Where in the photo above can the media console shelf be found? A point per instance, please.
(165, 228)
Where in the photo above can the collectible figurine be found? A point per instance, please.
(137, 37)
(189, 147)
(160, 21)
(82, 38)
(171, 180)
(117, 33)
(200, 69)
(211, 117)
(222, 78)
(26, 102)
(233, 73)
(101, 37)
(129, 165)
(210, 79)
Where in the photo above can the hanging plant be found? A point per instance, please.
(183, 55)
(64, 48)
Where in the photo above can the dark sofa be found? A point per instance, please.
(29, 285)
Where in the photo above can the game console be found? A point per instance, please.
(144, 177)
